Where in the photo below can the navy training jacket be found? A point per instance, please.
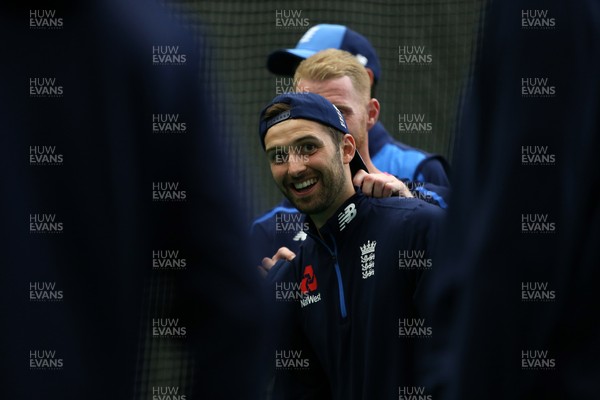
(285, 226)
(348, 304)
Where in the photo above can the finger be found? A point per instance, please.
(367, 186)
(284, 254)
(267, 263)
(378, 189)
(359, 177)
(388, 189)
(399, 188)
(404, 192)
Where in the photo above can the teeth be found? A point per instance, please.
(304, 184)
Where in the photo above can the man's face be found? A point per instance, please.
(341, 93)
(306, 165)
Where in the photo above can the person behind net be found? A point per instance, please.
(387, 153)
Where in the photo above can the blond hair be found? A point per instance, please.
(334, 64)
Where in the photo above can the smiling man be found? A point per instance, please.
(349, 288)
(339, 77)
(302, 168)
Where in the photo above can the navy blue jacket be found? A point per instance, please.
(404, 161)
(354, 287)
(285, 226)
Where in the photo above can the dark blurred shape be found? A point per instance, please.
(101, 56)
(485, 326)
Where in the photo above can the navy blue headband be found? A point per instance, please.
(309, 106)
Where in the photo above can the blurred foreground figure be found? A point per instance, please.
(117, 213)
(515, 312)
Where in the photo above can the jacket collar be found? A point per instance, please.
(343, 221)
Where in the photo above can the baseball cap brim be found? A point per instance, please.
(284, 62)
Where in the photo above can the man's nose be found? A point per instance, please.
(296, 164)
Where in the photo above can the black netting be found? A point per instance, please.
(244, 33)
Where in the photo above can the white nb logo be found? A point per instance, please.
(347, 215)
(300, 236)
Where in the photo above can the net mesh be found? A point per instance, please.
(244, 33)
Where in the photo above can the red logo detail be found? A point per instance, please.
(309, 280)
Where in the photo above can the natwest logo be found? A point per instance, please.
(309, 280)
(308, 286)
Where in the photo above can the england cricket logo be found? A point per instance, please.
(367, 259)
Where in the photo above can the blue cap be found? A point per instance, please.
(309, 106)
(322, 37)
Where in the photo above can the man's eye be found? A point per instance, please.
(308, 148)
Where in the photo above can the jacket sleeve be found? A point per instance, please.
(261, 241)
(265, 240)
(433, 169)
(297, 382)
(429, 192)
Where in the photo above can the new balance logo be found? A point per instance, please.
(300, 236)
(347, 215)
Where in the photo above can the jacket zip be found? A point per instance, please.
(338, 273)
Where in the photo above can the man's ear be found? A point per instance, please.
(348, 148)
(373, 108)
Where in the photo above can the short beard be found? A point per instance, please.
(330, 189)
